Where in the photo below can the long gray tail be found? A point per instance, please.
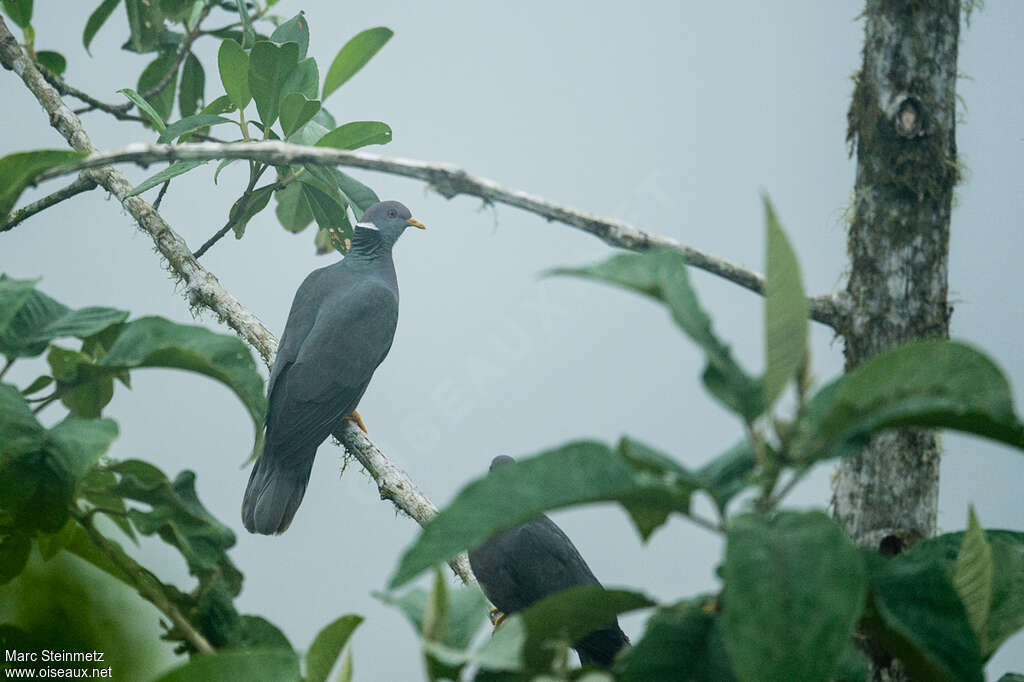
(275, 490)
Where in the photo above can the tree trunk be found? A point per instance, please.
(902, 123)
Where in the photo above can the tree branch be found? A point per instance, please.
(449, 181)
(203, 290)
(82, 184)
(143, 582)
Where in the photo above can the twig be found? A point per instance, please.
(449, 181)
(143, 582)
(118, 111)
(235, 215)
(7, 366)
(203, 290)
(161, 193)
(82, 184)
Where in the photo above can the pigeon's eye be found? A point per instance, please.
(392, 213)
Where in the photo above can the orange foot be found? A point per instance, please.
(497, 618)
(354, 417)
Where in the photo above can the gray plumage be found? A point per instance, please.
(340, 328)
(523, 565)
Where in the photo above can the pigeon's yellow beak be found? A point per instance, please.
(416, 223)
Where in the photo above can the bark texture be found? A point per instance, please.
(902, 124)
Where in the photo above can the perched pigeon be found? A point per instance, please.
(339, 330)
(529, 562)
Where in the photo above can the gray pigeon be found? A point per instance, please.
(535, 560)
(339, 330)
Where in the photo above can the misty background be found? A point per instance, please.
(672, 116)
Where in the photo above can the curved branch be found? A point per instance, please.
(203, 290)
(449, 181)
(82, 184)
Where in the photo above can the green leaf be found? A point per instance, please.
(354, 56)
(295, 30)
(96, 21)
(1006, 607)
(916, 614)
(163, 101)
(662, 275)
(329, 214)
(79, 543)
(146, 24)
(14, 293)
(233, 63)
(576, 473)
(359, 196)
(192, 87)
(972, 577)
(266, 665)
(39, 319)
(20, 11)
(794, 584)
(248, 35)
(1012, 677)
(345, 674)
(246, 208)
(681, 642)
(14, 551)
(304, 78)
(20, 431)
(21, 170)
(853, 667)
(932, 383)
(180, 519)
(356, 134)
(147, 110)
(293, 210)
(77, 444)
(53, 61)
(156, 342)
(190, 125)
(326, 647)
(785, 310)
(175, 169)
(221, 105)
(296, 110)
(39, 384)
(728, 474)
(269, 65)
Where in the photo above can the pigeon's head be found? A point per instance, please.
(386, 219)
(501, 460)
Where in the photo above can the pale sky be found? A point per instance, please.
(674, 117)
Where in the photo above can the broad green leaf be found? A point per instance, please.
(662, 276)
(296, 110)
(345, 674)
(192, 87)
(354, 56)
(53, 61)
(40, 319)
(972, 577)
(326, 647)
(256, 632)
(295, 30)
(932, 383)
(37, 385)
(785, 310)
(176, 10)
(21, 170)
(77, 444)
(1012, 677)
(269, 65)
(20, 431)
(233, 63)
(147, 110)
(14, 551)
(329, 214)
(156, 342)
(78, 542)
(793, 584)
(1006, 608)
(96, 21)
(727, 475)
(576, 473)
(293, 210)
(180, 519)
(265, 665)
(359, 196)
(14, 293)
(309, 133)
(916, 614)
(246, 208)
(221, 105)
(20, 11)
(248, 34)
(681, 642)
(853, 666)
(190, 125)
(146, 24)
(98, 488)
(163, 101)
(304, 78)
(175, 169)
(356, 134)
